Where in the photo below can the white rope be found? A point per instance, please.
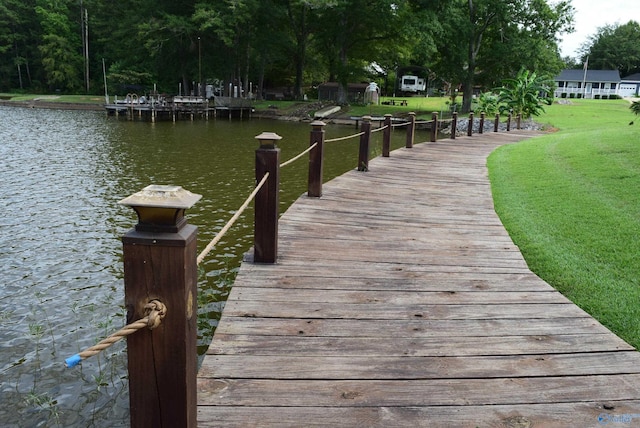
(311, 147)
(343, 138)
(233, 219)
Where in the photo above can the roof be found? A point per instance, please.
(592, 76)
(632, 78)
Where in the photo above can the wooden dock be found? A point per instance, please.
(399, 300)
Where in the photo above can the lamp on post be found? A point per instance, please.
(265, 249)
(161, 208)
(160, 264)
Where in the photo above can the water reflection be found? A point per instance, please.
(62, 174)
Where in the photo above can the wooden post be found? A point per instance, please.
(316, 159)
(160, 263)
(365, 138)
(411, 128)
(454, 125)
(509, 122)
(386, 136)
(518, 121)
(482, 116)
(434, 126)
(265, 241)
(470, 125)
(496, 122)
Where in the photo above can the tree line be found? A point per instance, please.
(62, 45)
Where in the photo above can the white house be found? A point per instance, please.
(589, 84)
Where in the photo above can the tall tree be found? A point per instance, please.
(615, 47)
(60, 47)
(355, 33)
(17, 44)
(488, 40)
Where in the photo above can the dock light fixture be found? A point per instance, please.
(160, 208)
(268, 140)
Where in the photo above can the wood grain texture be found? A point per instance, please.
(399, 300)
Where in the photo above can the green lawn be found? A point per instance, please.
(570, 201)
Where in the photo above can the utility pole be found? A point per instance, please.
(199, 69)
(84, 32)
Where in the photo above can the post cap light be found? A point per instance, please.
(268, 139)
(161, 208)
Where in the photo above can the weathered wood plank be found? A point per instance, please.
(383, 329)
(227, 344)
(374, 311)
(431, 392)
(412, 368)
(556, 415)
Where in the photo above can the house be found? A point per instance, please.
(590, 84)
(630, 86)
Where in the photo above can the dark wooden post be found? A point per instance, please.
(365, 138)
(266, 204)
(470, 125)
(316, 159)
(434, 126)
(454, 125)
(518, 121)
(509, 122)
(482, 116)
(386, 136)
(411, 128)
(160, 263)
(496, 122)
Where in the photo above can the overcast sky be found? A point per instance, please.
(592, 14)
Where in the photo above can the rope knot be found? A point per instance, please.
(155, 311)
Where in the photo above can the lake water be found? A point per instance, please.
(61, 287)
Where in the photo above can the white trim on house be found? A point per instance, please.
(590, 84)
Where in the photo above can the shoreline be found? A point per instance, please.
(46, 104)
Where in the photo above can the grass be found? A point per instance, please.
(570, 201)
(422, 106)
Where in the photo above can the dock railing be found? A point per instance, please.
(161, 269)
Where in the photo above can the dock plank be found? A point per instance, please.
(399, 300)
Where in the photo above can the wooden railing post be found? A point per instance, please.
(365, 138)
(160, 264)
(266, 204)
(434, 126)
(386, 136)
(454, 125)
(496, 122)
(509, 122)
(482, 117)
(411, 127)
(470, 125)
(316, 159)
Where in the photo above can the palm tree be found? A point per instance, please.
(635, 107)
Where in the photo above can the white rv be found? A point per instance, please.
(412, 84)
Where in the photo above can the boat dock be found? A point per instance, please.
(179, 108)
(399, 300)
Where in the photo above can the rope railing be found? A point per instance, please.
(333, 140)
(155, 311)
(395, 125)
(379, 129)
(295, 158)
(231, 221)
